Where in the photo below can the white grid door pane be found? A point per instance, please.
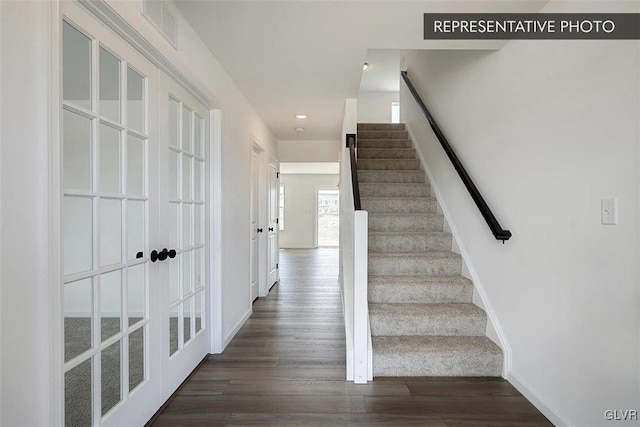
(77, 72)
(109, 85)
(77, 154)
(186, 221)
(104, 221)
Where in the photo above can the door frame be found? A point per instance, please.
(103, 12)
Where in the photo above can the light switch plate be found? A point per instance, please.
(609, 211)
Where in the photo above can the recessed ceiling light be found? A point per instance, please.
(365, 66)
(301, 116)
(299, 129)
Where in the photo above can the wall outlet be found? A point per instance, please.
(609, 211)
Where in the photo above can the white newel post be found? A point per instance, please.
(353, 264)
(360, 303)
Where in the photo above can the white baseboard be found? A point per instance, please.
(236, 328)
(553, 415)
(466, 259)
(298, 247)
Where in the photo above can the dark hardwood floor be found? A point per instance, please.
(286, 367)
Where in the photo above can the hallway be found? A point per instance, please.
(286, 367)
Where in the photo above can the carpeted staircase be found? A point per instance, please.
(423, 322)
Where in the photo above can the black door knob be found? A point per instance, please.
(259, 230)
(270, 228)
(163, 255)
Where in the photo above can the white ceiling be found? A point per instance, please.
(291, 57)
(383, 74)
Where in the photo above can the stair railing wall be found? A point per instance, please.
(354, 259)
(347, 213)
(498, 232)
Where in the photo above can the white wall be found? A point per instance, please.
(26, 43)
(547, 129)
(375, 107)
(299, 208)
(308, 151)
(25, 377)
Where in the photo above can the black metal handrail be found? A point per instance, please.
(498, 232)
(351, 145)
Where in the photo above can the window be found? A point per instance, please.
(281, 210)
(328, 217)
(395, 112)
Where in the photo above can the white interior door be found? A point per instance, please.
(274, 204)
(254, 225)
(183, 221)
(110, 310)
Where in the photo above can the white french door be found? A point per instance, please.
(184, 209)
(133, 228)
(109, 225)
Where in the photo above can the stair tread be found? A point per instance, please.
(434, 344)
(388, 170)
(419, 289)
(423, 254)
(418, 280)
(431, 310)
(399, 197)
(395, 184)
(395, 189)
(382, 130)
(436, 356)
(411, 214)
(381, 126)
(389, 140)
(384, 176)
(410, 233)
(385, 149)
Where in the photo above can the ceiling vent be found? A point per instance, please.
(160, 15)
